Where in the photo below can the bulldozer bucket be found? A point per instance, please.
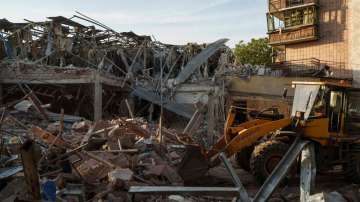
(194, 164)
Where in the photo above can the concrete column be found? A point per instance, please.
(97, 98)
(354, 40)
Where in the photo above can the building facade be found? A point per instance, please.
(322, 33)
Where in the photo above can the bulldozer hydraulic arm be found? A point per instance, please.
(250, 133)
(230, 133)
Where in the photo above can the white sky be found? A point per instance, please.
(169, 21)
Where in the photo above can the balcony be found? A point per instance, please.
(312, 67)
(292, 36)
(276, 6)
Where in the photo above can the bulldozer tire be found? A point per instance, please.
(352, 171)
(243, 158)
(265, 157)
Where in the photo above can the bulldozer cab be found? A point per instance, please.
(333, 103)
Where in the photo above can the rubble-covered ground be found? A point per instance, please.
(80, 160)
(49, 149)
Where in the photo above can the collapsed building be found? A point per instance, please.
(57, 74)
(65, 62)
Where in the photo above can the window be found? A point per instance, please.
(290, 3)
(297, 17)
(274, 23)
(270, 23)
(352, 123)
(335, 109)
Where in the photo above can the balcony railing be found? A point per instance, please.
(280, 5)
(292, 36)
(313, 67)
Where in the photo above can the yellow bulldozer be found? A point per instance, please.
(325, 112)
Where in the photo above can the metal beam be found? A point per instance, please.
(281, 170)
(198, 60)
(191, 122)
(180, 109)
(239, 191)
(307, 173)
(209, 191)
(243, 195)
(9, 171)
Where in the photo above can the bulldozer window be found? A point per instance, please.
(319, 108)
(335, 110)
(304, 99)
(352, 123)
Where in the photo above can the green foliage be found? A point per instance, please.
(255, 52)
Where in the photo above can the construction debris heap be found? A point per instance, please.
(91, 114)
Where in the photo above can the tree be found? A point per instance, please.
(255, 52)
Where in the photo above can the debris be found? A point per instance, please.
(80, 127)
(14, 189)
(327, 197)
(49, 190)
(23, 106)
(176, 198)
(47, 137)
(9, 171)
(28, 156)
(120, 174)
(119, 80)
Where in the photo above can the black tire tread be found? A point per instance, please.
(261, 153)
(243, 158)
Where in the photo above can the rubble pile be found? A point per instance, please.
(74, 49)
(158, 111)
(86, 160)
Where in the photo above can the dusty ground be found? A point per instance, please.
(289, 192)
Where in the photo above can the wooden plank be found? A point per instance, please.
(211, 120)
(99, 159)
(48, 138)
(129, 109)
(97, 98)
(29, 161)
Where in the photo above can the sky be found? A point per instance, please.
(169, 21)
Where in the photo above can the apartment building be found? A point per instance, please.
(316, 34)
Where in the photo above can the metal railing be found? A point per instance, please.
(277, 5)
(314, 68)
